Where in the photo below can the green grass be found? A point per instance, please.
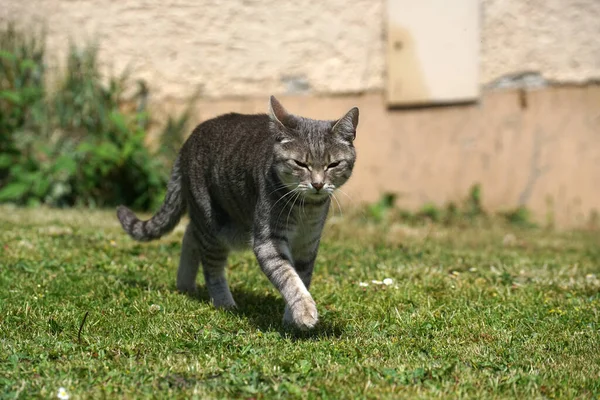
(480, 312)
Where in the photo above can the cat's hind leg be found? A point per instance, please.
(189, 261)
(213, 254)
(199, 247)
(214, 261)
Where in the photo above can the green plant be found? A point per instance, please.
(452, 213)
(114, 165)
(469, 212)
(22, 91)
(550, 212)
(82, 143)
(520, 216)
(380, 210)
(473, 205)
(594, 220)
(431, 212)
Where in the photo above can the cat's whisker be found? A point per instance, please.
(282, 186)
(361, 213)
(346, 194)
(295, 192)
(281, 198)
(338, 204)
(287, 222)
(302, 206)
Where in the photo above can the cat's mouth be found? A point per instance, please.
(310, 192)
(317, 194)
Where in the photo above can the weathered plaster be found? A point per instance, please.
(252, 48)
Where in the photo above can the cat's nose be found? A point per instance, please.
(317, 185)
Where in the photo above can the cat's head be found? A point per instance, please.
(314, 157)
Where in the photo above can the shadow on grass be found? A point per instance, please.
(265, 311)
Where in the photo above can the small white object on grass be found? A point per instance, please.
(62, 394)
(388, 281)
(363, 284)
(154, 308)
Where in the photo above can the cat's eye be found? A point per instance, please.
(301, 164)
(333, 165)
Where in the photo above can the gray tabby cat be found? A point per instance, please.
(263, 181)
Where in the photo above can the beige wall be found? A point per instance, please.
(228, 48)
(538, 148)
(557, 38)
(257, 47)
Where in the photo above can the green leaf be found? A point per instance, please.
(32, 202)
(5, 160)
(7, 55)
(27, 64)
(31, 93)
(31, 177)
(86, 147)
(128, 148)
(119, 121)
(66, 164)
(13, 191)
(108, 151)
(40, 187)
(11, 96)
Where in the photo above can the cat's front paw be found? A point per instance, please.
(303, 315)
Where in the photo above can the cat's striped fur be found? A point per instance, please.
(262, 181)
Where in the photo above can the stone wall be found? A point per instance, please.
(252, 48)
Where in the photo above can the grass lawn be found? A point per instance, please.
(480, 312)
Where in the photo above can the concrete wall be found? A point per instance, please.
(538, 146)
(228, 48)
(257, 47)
(556, 38)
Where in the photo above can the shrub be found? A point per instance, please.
(431, 211)
(379, 211)
(79, 144)
(520, 216)
(21, 94)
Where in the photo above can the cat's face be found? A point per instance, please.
(310, 156)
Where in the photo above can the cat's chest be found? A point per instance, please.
(308, 222)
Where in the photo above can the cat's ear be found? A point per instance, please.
(277, 112)
(346, 126)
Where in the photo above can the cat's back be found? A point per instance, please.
(228, 129)
(229, 144)
(229, 150)
(224, 159)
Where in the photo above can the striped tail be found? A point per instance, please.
(167, 217)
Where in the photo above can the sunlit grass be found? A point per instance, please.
(480, 312)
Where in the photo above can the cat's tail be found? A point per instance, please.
(167, 217)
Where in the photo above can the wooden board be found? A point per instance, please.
(432, 51)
